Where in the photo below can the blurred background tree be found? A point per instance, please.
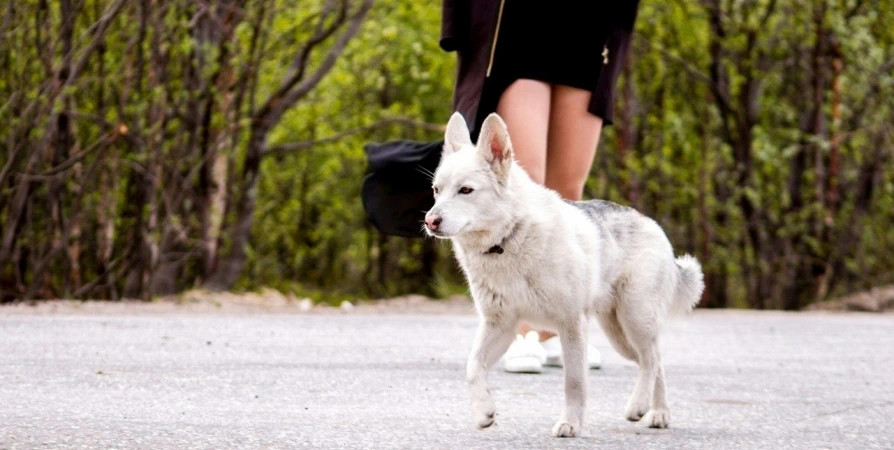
(157, 146)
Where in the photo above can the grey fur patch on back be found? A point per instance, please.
(600, 208)
(618, 221)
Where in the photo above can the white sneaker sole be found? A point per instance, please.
(524, 364)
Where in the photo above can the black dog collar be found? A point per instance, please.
(498, 249)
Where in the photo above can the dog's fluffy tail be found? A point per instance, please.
(690, 284)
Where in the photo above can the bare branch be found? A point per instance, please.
(771, 7)
(276, 106)
(299, 64)
(85, 289)
(858, 5)
(689, 68)
(296, 146)
(98, 30)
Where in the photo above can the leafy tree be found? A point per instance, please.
(155, 146)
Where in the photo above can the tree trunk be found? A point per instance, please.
(230, 266)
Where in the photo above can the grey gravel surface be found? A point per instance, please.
(212, 381)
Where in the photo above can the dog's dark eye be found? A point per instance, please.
(435, 188)
(465, 190)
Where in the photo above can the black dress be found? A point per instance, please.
(557, 42)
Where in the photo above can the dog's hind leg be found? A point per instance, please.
(659, 415)
(574, 358)
(615, 334)
(642, 334)
(491, 341)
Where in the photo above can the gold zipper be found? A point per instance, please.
(493, 46)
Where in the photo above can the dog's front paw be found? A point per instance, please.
(485, 419)
(484, 413)
(563, 428)
(658, 418)
(636, 409)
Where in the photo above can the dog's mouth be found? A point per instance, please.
(442, 235)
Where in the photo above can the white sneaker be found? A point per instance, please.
(553, 349)
(525, 355)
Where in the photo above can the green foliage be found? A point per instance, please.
(750, 189)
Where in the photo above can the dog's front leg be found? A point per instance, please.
(491, 341)
(574, 359)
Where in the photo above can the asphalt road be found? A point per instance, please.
(211, 381)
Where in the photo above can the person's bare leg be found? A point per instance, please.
(524, 328)
(572, 139)
(525, 107)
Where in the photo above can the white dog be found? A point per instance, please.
(530, 256)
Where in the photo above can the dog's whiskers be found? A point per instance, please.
(518, 244)
(428, 174)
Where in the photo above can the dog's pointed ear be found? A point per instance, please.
(494, 144)
(457, 134)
